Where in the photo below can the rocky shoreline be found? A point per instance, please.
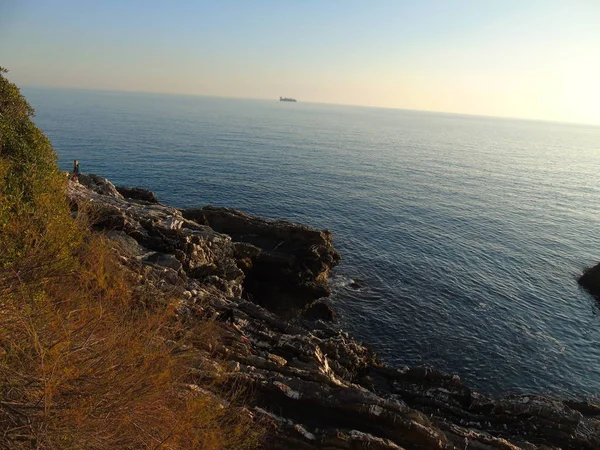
(314, 385)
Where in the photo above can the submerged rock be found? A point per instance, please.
(315, 386)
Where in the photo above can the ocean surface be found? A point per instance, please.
(466, 233)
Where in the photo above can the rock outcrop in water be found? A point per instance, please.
(590, 279)
(314, 385)
(288, 265)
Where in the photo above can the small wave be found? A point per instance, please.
(553, 344)
(339, 282)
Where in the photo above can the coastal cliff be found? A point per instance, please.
(312, 385)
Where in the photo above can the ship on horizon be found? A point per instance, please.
(287, 99)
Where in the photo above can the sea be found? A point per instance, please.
(464, 234)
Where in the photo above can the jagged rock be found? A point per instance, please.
(127, 245)
(293, 265)
(319, 311)
(316, 387)
(99, 185)
(585, 408)
(163, 260)
(137, 194)
(203, 253)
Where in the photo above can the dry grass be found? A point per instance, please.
(82, 366)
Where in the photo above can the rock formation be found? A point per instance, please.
(314, 385)
(590, 279)
(137, 194)
(290, 263)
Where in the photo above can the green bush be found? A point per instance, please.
(36, 229)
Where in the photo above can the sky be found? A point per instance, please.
(533, 59)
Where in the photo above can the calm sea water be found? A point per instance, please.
(466, 233)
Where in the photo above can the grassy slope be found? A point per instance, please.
(66, 309)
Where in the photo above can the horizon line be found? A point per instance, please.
(427, 111)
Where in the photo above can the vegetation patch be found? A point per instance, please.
(88, 360)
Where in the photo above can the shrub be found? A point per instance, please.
(36, 230)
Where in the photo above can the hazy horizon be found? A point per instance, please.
(276, 99)
(536, 60)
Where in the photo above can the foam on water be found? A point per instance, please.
(465, 234)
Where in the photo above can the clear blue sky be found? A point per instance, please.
(535, 59)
